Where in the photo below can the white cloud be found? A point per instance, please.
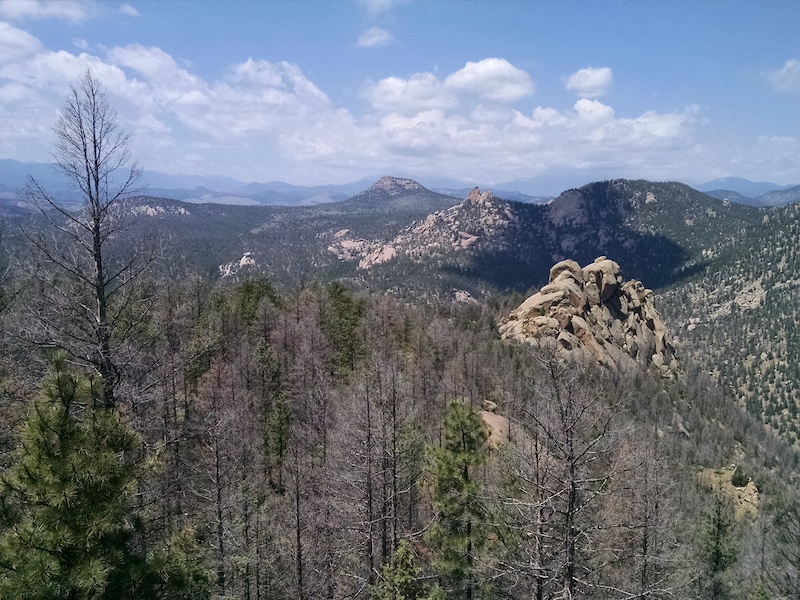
(73, 11)
(128, 10)
(786, 79)
(590, 82)
(422, 91)
(491, 78)
(593, 112)
(153, 63)
(16, 45)
(375, 37)
(267, 120)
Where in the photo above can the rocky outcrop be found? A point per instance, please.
(479, 217)
(232, 268)
(592, 314)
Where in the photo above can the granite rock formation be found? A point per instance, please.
(592, 314)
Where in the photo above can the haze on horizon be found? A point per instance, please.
(321, 92)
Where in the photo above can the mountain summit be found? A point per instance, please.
(396, 194)
(395, 186)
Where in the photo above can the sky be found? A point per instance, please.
(555, 93)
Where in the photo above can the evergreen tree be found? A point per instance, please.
(458, 532)
(68, 528)
(340, 322)
(401, 578)
(718, 548)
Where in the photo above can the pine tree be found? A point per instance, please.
(68, 527)
(458, 532)
(718, 548)
(401, 578)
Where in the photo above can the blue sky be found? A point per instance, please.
(311, 92)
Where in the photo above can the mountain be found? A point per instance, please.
(202, 195)
(156, 179)
(14, 174)
(395, 194)
(745, 187)
(780, 197)
(399, 230)
(189, 188)
(731, 196)
(738, 318)
(504, 194)
(278, 193)
(231, 191)
(658, 231)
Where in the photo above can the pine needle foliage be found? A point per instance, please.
(458, 532)
(68, 527)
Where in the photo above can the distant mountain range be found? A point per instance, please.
(752, 193)
(198, 189)
(745, 187)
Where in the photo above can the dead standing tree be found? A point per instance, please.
(87, 305)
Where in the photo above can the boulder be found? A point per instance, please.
(569, 266)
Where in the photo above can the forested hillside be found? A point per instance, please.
(739, 318)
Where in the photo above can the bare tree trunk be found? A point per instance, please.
(73, 256)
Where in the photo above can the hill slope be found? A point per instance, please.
(739, 318)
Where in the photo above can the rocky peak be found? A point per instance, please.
(480, 198)
(591, 313)
(396, 186)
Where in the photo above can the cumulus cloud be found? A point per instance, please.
(374, 37)
(421, 91)
(128, 10)
(264, 114)
(492, 78)
(73, 11)
(156, 66)
(786, 79)
(16, 44)
(590, 82)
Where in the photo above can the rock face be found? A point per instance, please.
(591, 314)
(481, 216)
